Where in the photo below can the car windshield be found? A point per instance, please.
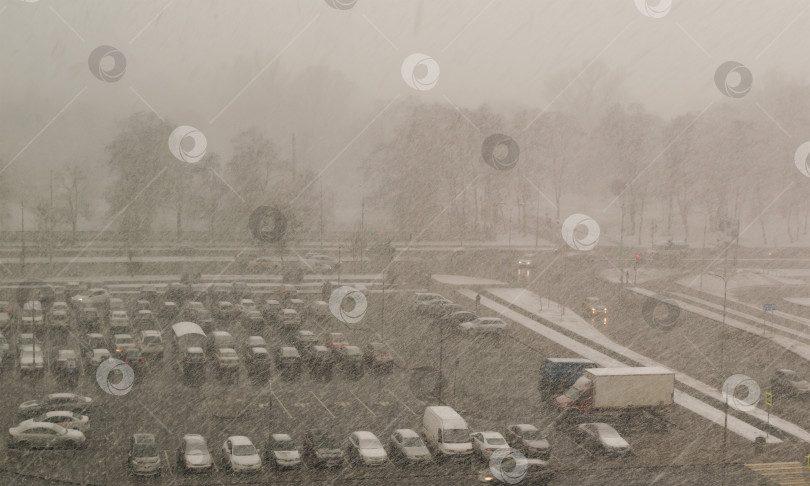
(227, 353)
(370, 443)
(412, 442)
(573, 393)
(196, 447)
(285, 446)
(326, 442)
(456, 436)
(151, 339)
(533, 435)
(607, 431)
(795, 377)
(145, 450)
(496, 441)
(244, 450)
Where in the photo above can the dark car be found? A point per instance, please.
(168, 311)
(257, 362)
(319, 360)
(90, 318)
(178, 292)
(135, 359)
(321, 449)
(453, 319)
(378, 357)
(790, 383)
(144, 455)
(55, 401)
(252, 320)
(288, 361)
(349, 360)
(529, 440)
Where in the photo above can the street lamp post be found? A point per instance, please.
(382, 313)
(339, 265)
(725, 278)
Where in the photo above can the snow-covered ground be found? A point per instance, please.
(463, 280)
(642, 275)
(799, 300)
(714, 285)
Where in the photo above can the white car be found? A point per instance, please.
(484, 325)
(65, 418)
(4, 347)
(256, 342)
(319, 257)
(95, 297)
(485, 443)
(281, 451)
(44, 434)
(366, 449)
(605, 437)
(247, 305)
(151, 343)
(240, 455)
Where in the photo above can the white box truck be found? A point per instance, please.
(446, 432)
(620, 388)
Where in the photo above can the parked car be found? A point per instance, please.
(321, 449)
(378, 357)
(117, 304)
(485, 443)
(119, 322)
(95, 340)
(319, 311)
(192, 362)
(226, 362)
(289, 319)
(281, 452)
(224, 310)
(168, 311)
(220, 339)
(336, 340)
(530, 441)
(484, 325)
(304, 340)
(604, 437)
(257, 361)
(299, 306)
(593, 307)
(44, 435)
(255, 342)
(55, 401)
(143, 458)
(58, 317)
(365, 448)
(455, 318)
(288, 361)
(135, 359)
(148, 293)
(270, 311)
(65, 365)
(240, 455)
(90, 318)
(4, 347)
(32, 316)
(252, 320)
(350, 361)
(64, 418)
(193, 454)
(93, 358)
(31, 361)
(527, 261)
(201, 317)
(320, 361)
(140, 305)
(424, 300)
(246, 305)
(407, 446)
(240, 290)
(122, 342)
(151, 344)
(790, 383)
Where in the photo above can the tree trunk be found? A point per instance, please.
(179, 221)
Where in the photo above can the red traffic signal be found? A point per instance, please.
(638, 256)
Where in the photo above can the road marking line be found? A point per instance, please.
(168, 464)
(279, 402)
(322, 404)
(403, 403)
(363, 404)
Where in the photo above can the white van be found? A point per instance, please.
(32, 314)
(446, 432)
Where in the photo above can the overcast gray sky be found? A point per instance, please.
(222, 66)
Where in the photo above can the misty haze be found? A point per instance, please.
(404, 242)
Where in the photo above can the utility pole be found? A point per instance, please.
(537, 223)
(362, 227)
(339, 265)
(441, 357)
(382, 316)
(50, 228)
(22, 234)
(320, 180)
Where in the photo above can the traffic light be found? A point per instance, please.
(639, 259)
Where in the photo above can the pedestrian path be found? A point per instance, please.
(783, 473)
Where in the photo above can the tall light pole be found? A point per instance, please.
(22, 235)
(339, 265)
(725, 278)
(382, 312)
